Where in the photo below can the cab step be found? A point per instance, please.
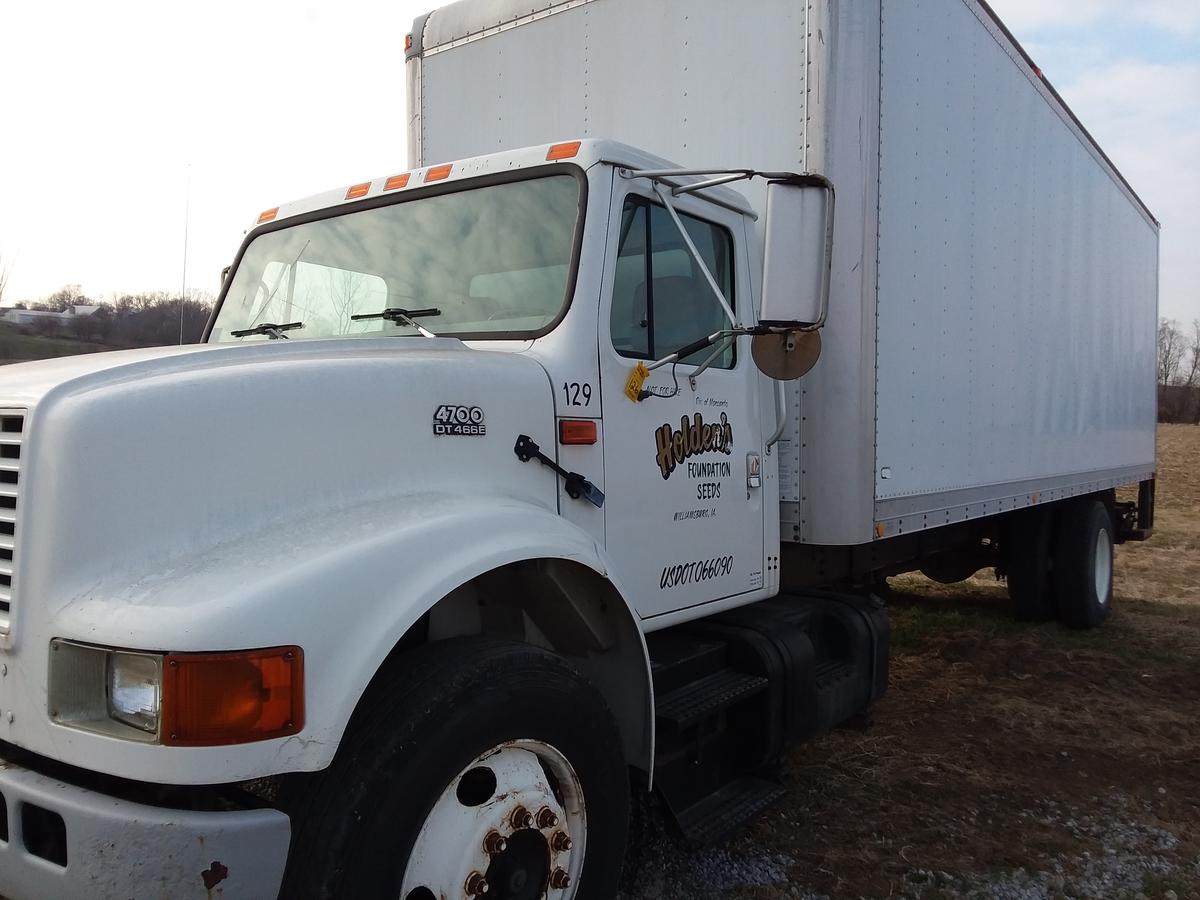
(688, 705)
(727, 809)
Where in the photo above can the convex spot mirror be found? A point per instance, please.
(799, 252)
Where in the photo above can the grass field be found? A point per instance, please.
(1007, 760)
(18, 347)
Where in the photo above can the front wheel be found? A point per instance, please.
(485, 769)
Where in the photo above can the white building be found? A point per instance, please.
(29, 316)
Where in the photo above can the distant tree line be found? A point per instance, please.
(132, 320)
(1178, 372)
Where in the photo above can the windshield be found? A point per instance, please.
(485, 262)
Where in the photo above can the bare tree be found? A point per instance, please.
(64, 298)
(5, 269)
(1193, 350)
(346, 292)
(1171, 348)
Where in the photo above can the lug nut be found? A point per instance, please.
(561, 842)
(560, 880)
(546, 818)
(521, 818)
(477, 885)
(494, 843)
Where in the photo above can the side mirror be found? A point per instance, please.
(799, 252)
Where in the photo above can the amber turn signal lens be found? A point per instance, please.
(564, 151)
(577, 431)
(214, 699)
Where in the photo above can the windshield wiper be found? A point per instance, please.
(404, 317)
(270, 329)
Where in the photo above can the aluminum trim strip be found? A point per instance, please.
(904, 515)
(503, 26)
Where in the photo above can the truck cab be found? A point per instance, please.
(510, 398)
(565, 257)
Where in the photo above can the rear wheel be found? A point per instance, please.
(1083, 563)
(485, 769)
(1028, 552)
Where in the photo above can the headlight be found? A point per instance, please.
(181, 699)
(135, 689)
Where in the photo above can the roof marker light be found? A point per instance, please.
(564, 151)
(268, 215)
(396, 182)
(438, 173)
(359, 190)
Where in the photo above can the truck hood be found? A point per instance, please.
(140, 463)
(23, 384)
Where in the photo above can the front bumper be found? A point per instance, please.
(63, 841)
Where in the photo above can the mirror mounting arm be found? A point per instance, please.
(687, 240)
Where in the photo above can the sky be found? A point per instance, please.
(123, 122)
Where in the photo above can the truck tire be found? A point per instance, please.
(481, 766)
(1028, 554)
(1083, 563)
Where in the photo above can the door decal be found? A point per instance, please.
(692, 438)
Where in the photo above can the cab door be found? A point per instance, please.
(684, 515)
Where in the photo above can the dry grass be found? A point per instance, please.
(988, 721)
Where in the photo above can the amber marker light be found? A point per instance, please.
(438, 173)
(268, 215)
(359, 190)
(216, 699)
(577, 431)
(396, 182)
(564, 151)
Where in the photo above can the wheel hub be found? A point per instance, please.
(522, 871)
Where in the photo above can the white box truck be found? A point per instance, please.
(566, 458)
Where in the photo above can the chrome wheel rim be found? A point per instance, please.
(1104, 566)
(510, 826)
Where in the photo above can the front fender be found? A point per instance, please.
(346, 601)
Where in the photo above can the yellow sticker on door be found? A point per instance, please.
(637, 378)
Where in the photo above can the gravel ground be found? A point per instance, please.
(674, 871)
(1136, 862)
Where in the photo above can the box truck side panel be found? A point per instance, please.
(672, 77)
(827, 456)
(1017, 300)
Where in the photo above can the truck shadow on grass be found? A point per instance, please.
(1009, 759)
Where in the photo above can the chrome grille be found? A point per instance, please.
(12, 427)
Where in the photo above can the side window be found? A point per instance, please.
(661, 300)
